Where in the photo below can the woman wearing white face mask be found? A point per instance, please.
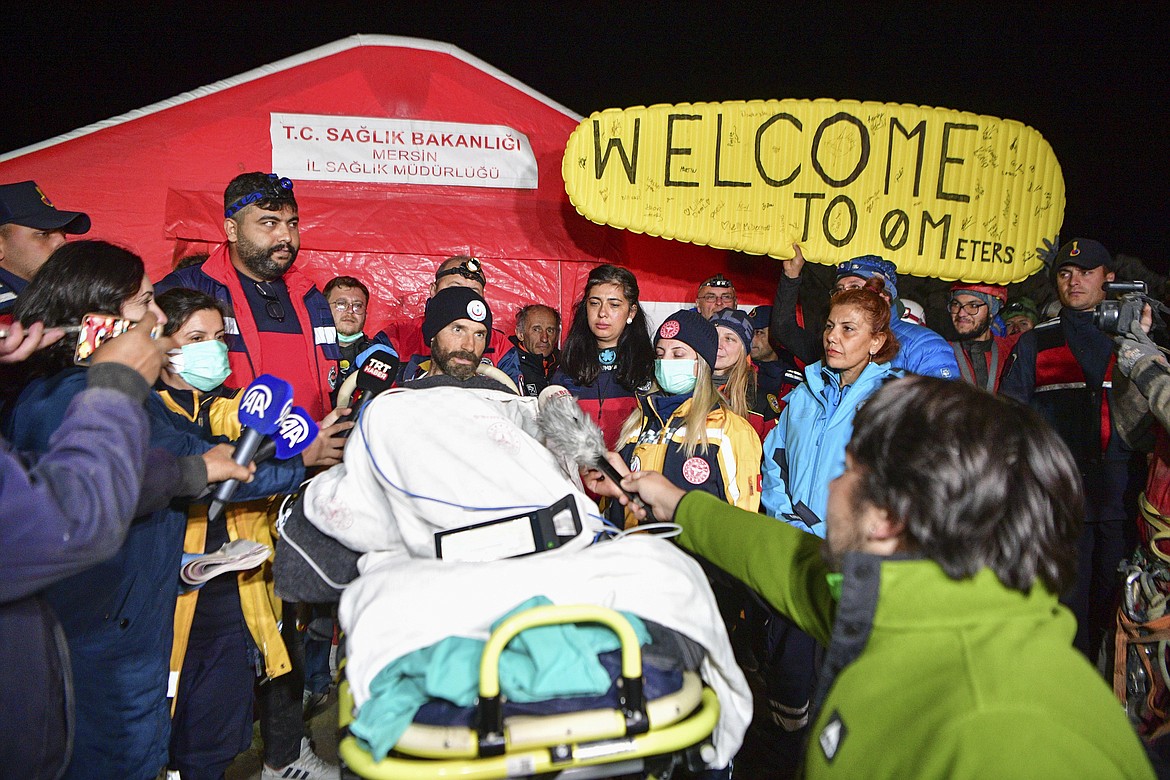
(685, 430)
(225, 627)
(199, 367)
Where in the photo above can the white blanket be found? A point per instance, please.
(422, 461)
(440, 458)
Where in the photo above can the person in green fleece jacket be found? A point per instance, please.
(950, 534)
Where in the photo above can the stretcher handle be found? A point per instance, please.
(490, 715)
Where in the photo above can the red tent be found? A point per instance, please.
(153, 179)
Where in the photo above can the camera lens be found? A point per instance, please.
(1105, 316)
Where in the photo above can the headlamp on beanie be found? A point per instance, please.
(1021, 307)
(471, 268)
(274, 187)
(867, 266)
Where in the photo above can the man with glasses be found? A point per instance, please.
(982, 356)
(1063, 369)
(921, 350)
(279, 322)
(715, 295)
(349, 300)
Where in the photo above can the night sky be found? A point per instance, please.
(1094, 83)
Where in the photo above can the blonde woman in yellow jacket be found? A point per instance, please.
(685, 430)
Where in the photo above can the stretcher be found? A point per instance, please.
(635, 736)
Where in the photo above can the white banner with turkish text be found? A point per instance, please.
(401, 151)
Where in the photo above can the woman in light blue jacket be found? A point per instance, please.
(802, 454)
(806, 450)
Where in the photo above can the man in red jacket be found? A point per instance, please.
(982, 356)
(279, 322)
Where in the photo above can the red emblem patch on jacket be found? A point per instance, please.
(696, 470)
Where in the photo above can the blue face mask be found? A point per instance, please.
(344, 339)
(203, 364)
(676, 376)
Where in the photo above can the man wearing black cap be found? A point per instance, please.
(776, 370)
(406, 335)
(715, 294)
(456, 327)
(31, 227)
(1064, 370)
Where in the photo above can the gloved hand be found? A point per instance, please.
(1048, 249)
(1134, 346)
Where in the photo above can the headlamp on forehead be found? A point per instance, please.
(470, 268)
(275, 188)
(718, 280)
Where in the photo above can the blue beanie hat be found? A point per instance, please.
(868, 265)
(689, 327)
(737, 321)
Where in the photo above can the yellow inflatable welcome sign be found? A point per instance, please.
(941, 193)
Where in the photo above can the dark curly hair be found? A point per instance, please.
(979, 481)
(80, 277)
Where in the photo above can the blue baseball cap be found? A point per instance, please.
(24, 203)
(867, 266)
(761, 317)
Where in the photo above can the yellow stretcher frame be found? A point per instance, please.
(530, 745)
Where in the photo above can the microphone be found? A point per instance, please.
(377, 370)
(573, 435)
(266, 401)
(297, 432)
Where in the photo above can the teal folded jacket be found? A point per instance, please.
(547, 662)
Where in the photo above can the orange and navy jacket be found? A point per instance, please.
(729, 467)
(217, 277)
(217, 413)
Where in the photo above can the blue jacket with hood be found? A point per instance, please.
(922, 351)
(806, 449)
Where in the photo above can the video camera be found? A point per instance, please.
(1116, 317)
